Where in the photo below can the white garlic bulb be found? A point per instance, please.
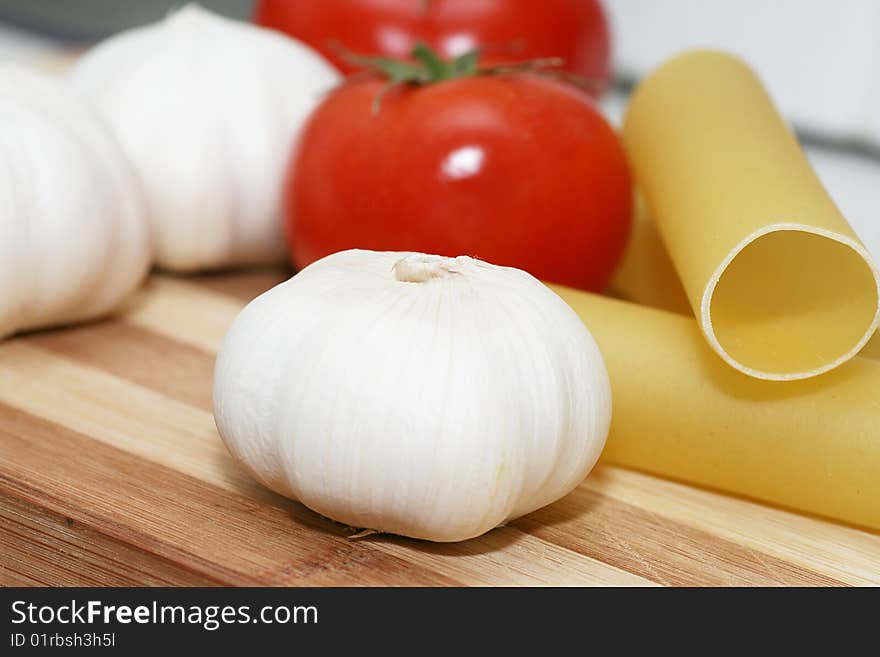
(207, 109)
(74, 238)
(412, 394)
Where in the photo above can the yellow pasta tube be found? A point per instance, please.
(811, 445)
(781, 286)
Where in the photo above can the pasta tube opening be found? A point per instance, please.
(791, 302)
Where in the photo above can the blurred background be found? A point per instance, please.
(819, 58)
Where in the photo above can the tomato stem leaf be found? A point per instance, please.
(466, 64)
(427, 67)
(435, 67)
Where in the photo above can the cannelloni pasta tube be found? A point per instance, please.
(781, 286)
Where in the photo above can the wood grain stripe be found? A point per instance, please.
(117, 413)
(508, 556)
(40, 548)
(657, 547)
(844, 553)
(153, 361)
(242, 285)
(185, 312)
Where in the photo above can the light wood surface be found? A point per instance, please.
(112, 473)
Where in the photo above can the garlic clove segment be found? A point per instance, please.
(413, 394)
(74, 237)
(207, 109)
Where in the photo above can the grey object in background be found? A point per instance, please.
(89, 20)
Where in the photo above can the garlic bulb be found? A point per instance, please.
(413, 394)
(74, 238)
(207, 109)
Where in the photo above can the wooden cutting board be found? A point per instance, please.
(111, 472)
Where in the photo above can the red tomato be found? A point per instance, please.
(575, 30)
(515, 169)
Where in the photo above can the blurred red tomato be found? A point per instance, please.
(515, 169)
(575, 30)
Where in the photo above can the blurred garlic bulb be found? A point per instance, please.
(207, 110)
(413, 394)
(74, 238)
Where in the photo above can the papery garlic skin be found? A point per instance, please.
(74, 237)
(430, 397)
(208, 109)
